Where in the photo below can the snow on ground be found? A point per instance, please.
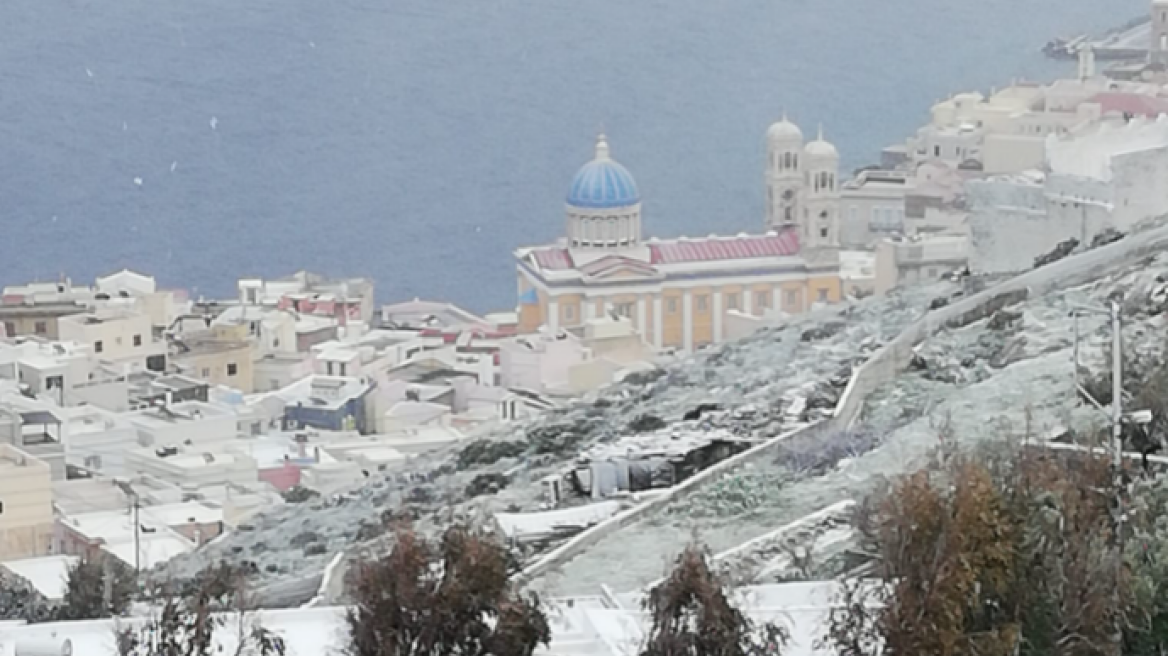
(763, 374)
(981, 383)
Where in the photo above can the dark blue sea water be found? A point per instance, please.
(419, 141)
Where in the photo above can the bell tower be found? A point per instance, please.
(784, 174)
(820, 221)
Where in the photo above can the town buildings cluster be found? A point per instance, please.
(140, 423)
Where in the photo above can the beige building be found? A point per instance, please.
(677, 292)
(26, 505)
(120, 336)
(916, 260)
(872, 206)
(222, 355)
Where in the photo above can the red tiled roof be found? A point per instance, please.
(554, 259)
(707, 249)
(1135, 104)
(712, 249)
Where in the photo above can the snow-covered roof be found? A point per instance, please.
(46, 574)
(520, 525)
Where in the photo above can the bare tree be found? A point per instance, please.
(436, 600)
(190, 617)
(692, 615)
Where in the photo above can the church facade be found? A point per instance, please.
(677, 291)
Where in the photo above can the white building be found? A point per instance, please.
(1106, 175)
(193, 467)
(873, 207)
(191, 423)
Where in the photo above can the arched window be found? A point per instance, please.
(787, 213)
(795, 160)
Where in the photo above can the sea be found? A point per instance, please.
(418, 142)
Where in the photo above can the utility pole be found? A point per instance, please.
(1117, 419)
(137, 536)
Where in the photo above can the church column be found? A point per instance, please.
(687, 342)
(777, 298)
(658, 322)
(553, 316)
(717, 316)
(747, 299)
(641, 327)
(589, 308)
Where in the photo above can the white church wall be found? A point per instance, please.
(1008, 224)
(1141, 186)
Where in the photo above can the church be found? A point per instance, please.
(677, 291)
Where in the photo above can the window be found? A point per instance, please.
(823, 296)
(1, 507)
(623, 309)
(823, 232)
(98, 347)
(703, 303)
(762, 299)
(931, 272)
(792, 298)
(329, 367)
(41, 328)
(671, 306)
(9, 328)
(137, 340)
(232, 368)
(118, 340)
(569, 313)
(273, 384)
(937, 151)
(206, 372)
(731, 301)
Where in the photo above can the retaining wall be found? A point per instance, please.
(883, 367)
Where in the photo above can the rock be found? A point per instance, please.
(986, 310)
(695, 413)
(825, 331)
(646, 424)
(1063, 249)
(938, 303)
(315, 549)
(1108, 236)
(918, 363)
(1004, 319)
(307, 537)
(490, 483)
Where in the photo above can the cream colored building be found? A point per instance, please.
(223, 355)
(26, 505)
(677, 292)
(919, 260)
(120, 336)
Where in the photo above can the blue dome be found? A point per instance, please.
(603, 183)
